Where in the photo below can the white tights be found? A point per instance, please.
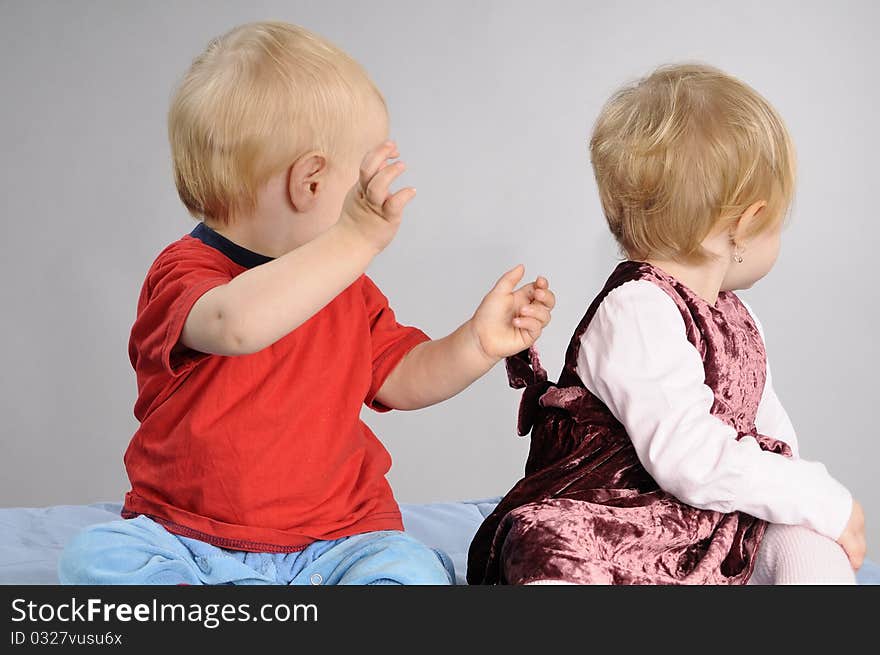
(792, 555)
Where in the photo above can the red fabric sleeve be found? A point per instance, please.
(177, 279)
(390, 340)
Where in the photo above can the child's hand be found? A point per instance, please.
(853, 537)
(370, 210)
(509, 321)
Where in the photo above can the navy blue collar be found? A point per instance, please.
(241, 256)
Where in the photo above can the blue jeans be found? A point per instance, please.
(139, 551)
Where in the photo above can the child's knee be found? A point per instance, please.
(410, 562)
(417, 564)
(797, 555)
(82, 556)
(134, 551)
(791, 540)
(397, 558)
(428, 566)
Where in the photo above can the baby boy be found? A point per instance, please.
(258, 337)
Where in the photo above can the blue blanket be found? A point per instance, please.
(31, 539)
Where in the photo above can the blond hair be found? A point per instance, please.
(254, 101)
(684, 152)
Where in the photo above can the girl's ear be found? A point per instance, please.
(747, 220)
(306, 179)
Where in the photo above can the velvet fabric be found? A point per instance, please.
(586, 510)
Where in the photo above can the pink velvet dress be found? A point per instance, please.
(586, 510)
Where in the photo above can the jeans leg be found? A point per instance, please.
(127, 552)
(383, 557)
(139, 551)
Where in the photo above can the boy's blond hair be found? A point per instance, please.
(684, 152)
(254, 101)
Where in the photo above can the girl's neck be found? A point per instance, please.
(703, 279)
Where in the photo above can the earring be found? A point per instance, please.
(737, 254)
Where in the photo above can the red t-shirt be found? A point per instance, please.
(263, 452)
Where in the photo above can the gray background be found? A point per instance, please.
(491, 103)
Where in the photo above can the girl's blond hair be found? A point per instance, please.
(684, 152)
(255, 100)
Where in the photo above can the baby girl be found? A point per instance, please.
(663, 455)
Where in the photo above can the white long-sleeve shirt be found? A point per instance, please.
(636, 358)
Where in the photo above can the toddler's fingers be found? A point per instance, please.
(507, 282)
(377, 190)
(537, 311)
(373, 160)
(389, 160)
(541, 282)
(393, 207)
(526, 293)
(533, 335)
(531, 325)
(546, 297)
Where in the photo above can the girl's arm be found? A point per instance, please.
(636, 358)
(772, 418)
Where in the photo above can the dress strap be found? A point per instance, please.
(524, 371)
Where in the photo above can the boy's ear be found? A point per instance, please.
(306, 180)
(745, 222)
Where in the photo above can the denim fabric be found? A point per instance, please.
(140, 551)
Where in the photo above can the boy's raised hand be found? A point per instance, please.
(510, 320)
(370, 210)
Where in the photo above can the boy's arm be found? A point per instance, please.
(263, 304)
(508, 321)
